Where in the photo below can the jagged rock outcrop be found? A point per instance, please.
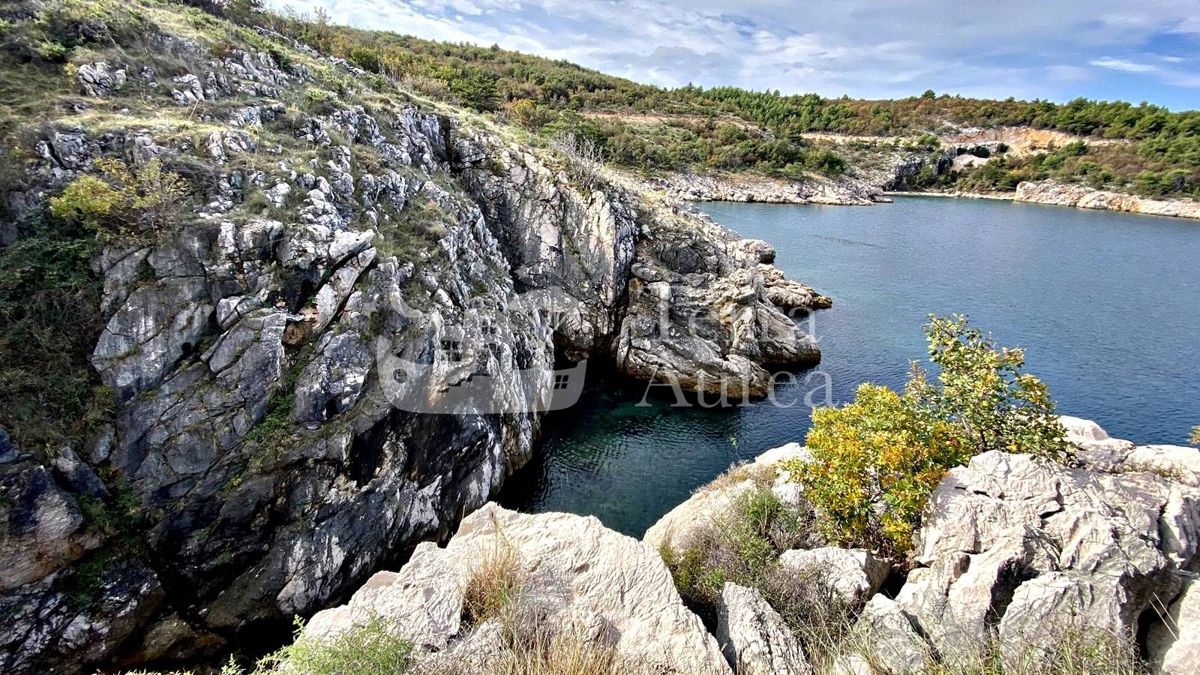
(1031, 549)
(1066, 194)
(280, 371)
(754, 638)
(1015, 553)
(573, 571)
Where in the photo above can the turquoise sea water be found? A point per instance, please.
(1107, 306)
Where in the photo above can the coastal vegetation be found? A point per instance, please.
(876, 460)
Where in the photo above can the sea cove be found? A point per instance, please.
(1106, 304)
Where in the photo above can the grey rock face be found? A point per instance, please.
(1032, 549)
(853, 574)
(1173, 647)
(753, 636)
(890, 643)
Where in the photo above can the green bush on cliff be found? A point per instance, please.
(121, 202)
(876, 460)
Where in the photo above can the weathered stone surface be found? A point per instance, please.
(1173, 647)
(41, 526)
(571, 565)
(728, 187)
(853, 574)
(753, 636)
(1035, 548)
(710, 502)
(890, 643)
(100, 79)
(1081, 196)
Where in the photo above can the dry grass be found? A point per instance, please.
(495, 584)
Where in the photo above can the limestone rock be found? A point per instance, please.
(853, 574)
(1034, 546)
(1081, 196)
(571, 564)
(710, 502)
(755, 639)
(1173, 647)
(889, 641)
(100, 79)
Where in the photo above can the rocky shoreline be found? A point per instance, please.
(727, 187)
(258, 464)
(1014, 554)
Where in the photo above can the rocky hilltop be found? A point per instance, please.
(256, 464)
(1019, 561)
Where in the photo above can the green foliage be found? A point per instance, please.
(120, 203)
(1195, 440)
(983, 391)
(876, 460)
(50, 310)
(741, 547)
(369, 649)
(882, 449)
(366, 58)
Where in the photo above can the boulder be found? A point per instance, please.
(854, 575)
(755, 639)
(100, 79)
(571, 567)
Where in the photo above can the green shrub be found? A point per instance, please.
(370, 649)
(1195, 440)
(121, 203)
(876, 460)
(366, 58)
(50, 311)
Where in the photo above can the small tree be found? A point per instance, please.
(875, 461)
(984, 392)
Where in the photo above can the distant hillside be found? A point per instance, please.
(727, 128)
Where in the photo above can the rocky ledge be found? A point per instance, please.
(1065, 194)
(727, 187)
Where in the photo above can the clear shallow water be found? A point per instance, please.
(1107, 306)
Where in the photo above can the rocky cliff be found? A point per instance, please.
(266, 454)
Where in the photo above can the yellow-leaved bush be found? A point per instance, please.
(119, 202)
(875, 461)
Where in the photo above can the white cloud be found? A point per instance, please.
(1024, 48)
(1123, 65)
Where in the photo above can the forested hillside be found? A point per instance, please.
(727, 128)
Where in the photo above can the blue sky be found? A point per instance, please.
(1136, 51)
